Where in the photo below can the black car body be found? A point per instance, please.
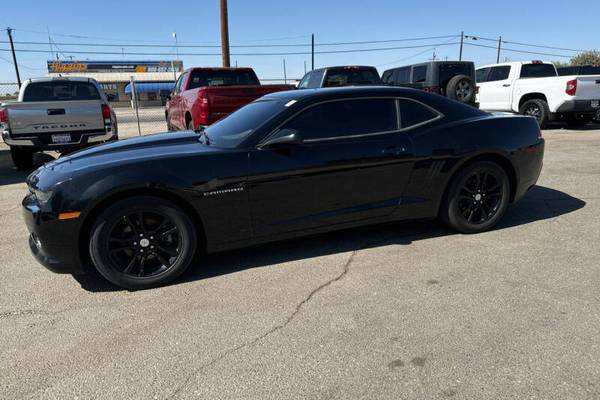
(349, 75)
(453, 79)
(311, 161)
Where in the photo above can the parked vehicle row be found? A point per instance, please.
(61, 114)
(290, 164)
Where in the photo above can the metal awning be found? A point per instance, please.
(146, 87)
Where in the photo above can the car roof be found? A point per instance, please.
(62, 78)
(344, 91)
(345, 67)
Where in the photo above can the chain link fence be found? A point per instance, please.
(8, 91)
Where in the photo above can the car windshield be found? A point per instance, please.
(224, 77)
(60, 90)
(236, 127)
(351, 77)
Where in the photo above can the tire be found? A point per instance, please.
(22, 157)
(477, 198)
(141, 256)
(461, 88)
(536, 108)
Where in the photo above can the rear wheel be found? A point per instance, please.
(22, 157)
(142, 242)
(477, 198)
(536, 108)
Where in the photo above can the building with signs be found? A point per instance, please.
(153, 79)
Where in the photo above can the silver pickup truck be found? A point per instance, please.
(56, 114)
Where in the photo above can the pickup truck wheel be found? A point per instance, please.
(142, 242)
(536, 108)
(461, 88)
(22, 157)
(477, 198)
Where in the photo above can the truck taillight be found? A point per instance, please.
(3, 115)
(105, 111)
(204, 115)
(571, 87)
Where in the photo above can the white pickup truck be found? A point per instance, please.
(60, 114)
(534, 88)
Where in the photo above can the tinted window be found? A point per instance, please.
(499, 73)
(60, 90)
(345, 118)
(589, 70)
(481, 75)
(537, 70)
(236, 127)
(419, 74)
(413, 113)
(449, 71)
(315, 79)
(402, 75)
(568, 71)
(387, 76)
(304, 82)
(201, 78)
(351, 77)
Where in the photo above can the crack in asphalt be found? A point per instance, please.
(274, 329)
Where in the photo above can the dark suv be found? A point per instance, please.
(340, 76)
(453, 79)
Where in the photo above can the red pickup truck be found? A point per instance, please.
(203, 96)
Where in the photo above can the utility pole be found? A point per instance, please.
(312, 52)
(499, 46)
(304, 67)
(462, 40)
(12, 48)
(224, 34)
(284, 73)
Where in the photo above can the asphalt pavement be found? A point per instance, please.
(399, 311)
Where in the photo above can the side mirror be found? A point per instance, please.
(283, 138)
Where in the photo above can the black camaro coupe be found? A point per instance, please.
(288, 164)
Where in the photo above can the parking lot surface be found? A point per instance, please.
(400, 311)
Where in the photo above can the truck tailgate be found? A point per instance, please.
(223, 100)
(27, 118)
(588, 87)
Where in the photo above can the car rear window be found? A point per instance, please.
(60, 91)
(202, 78)
(449, 71)
(413, 113)
(351, 77)
(537, 70)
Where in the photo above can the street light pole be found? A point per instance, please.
(14, 55)
(224, 34)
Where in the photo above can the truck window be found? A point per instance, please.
(60, 90)
(498, 73)
(304, 82)
(537, 70)
(316, 76)
(403, 75)
(481, 75)
(207, 77)
(419, 74)
(351, 76)
(589, 70)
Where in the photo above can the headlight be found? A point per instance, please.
(42, 196)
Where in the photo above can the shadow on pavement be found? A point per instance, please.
(9, 175)
(539, 204)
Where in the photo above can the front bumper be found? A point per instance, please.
(577, 106)
(53, 242)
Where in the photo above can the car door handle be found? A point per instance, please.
(506, 85)
(393, 151)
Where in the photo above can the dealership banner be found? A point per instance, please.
(57, 67)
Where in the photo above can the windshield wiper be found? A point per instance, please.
(201, 131)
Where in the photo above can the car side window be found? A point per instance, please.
(182, 83)
(419, 74)
(403, 75)
(315, 79)
(498, 73)
(481, 75)
(304, 82)
(413, 113)
(342, 118)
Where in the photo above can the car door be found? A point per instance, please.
(352, 164)
(495, 92)
(175, 118)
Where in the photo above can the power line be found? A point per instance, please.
(414, 55)
(241, 46)
(239, 54)
(519, 51)
(522, 44)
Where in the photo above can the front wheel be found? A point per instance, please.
(476, 198)
(142, 242)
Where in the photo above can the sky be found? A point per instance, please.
(260, 22)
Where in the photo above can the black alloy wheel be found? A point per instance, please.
(477, 198)
(536, 108)
(142, 242)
